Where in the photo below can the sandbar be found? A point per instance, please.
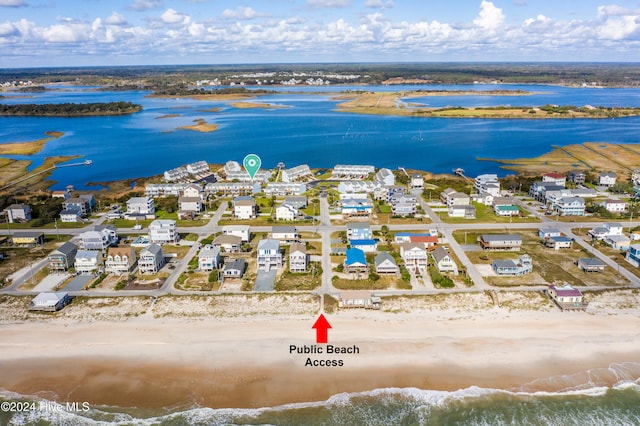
(201, 126)
(28, 148)
(247, 105)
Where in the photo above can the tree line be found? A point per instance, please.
(70, 109)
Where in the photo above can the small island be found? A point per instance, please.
(201, 126)
(70, 109)
(28, 148)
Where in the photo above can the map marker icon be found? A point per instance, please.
(252, 164)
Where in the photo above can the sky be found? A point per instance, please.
(53, 33)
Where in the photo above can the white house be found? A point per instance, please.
(414, 255)
(209, 258)
(443, 260)
(230, 243)
(352, 171)
(301, 172)
(269, 255)
(163, 231)
(569, 206)
(385, 177)
(614, 206)
(88, 261)
(151, 259)
(242, 231)
(385, 263)
(284, 233)
(18, 213)
(120, 260)
(555, 178)
(198, 168)
(298, 258)
(176, 174)
(244, 208)
(417, 181)
(192, 190)
(190, 204)
(140, 207)
(100, 238)
(286, 212)
(607, 229)
(607, 179)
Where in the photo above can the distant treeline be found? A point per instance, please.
(70, 109)
(184, 90)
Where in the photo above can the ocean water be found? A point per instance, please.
(600, 406)
(309, 131)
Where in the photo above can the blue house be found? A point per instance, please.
(355, 261)
(359, 231)
(633, 255)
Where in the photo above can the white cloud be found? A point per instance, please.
(379, 4)
(65, 33)
(116, 19)
(141, 5)
(13, 3)
(171, 16)
(328, 3)
(8, 29)
(490, 16)
(240, 12)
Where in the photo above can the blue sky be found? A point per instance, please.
(37, 33)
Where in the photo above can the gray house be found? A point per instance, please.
(234, 269)
(62, 258)
(385, 263)
(151, 259)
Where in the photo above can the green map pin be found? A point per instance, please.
(252, 164)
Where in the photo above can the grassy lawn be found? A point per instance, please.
(196, 281)
(485, 214)
(179, 251)
(299, 281)
(345, 284)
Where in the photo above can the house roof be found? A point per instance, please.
(189, 200)
(236, 264)
(423, 238)
(412, 246)
(551, 231)
(87, 254)
(231, 228)
(561, 239)
(244, 198)
(591, 261)
(66, 248)
(269, 244)
(501, 237)
(382, 257)
(358, 225)
(227, 239)
(510, 208)
(122, 251)
(501, 263)
(566, 291)
(363, 242)
(554, 175)
(209, 252)
(439, 253)
(48, 298)
(302, 248)
(28, 234)
(285, 229)
(17, 207)
(154, 249)
(355, 256)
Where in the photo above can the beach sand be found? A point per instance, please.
(156, 359)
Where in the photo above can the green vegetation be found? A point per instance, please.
(439, 280)
(70, 109)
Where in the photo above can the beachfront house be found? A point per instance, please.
(49, 301)
(417, 181)
(209, 258)
(234, 268)
(62, 258)
(500, 242)
(244, 208)
(88, 261)
(27, 238)
(567, 297)
(151, 259)
(385, 177)
(414, 256)
(298, 258)
(443, 260)
(120, 260)
(242, 231)
(355, 261)
(523, 265)
(163, 231)
(351, 171)
(385, 263)
(178, 173)
(18, 213)
(269, 255)
(297, 173)
(228, 243)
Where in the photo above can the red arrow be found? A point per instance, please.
(322, 326)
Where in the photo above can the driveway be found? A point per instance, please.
(265, 280)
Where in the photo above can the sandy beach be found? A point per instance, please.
(137, 356)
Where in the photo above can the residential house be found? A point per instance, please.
(405, 237)
(558, 242)
(359, 231)
(286, 212)
(385, 263)
(414, 256)
(228, 243)
(352, 171)
(301, 172)
(198, 168)
(77, 203)
(607, 229)
(500, 242)
(444, 195)
(242, 231)
(577, 177)
(190, 204)
(403, 205)
(356, 207)
(385, 177)
(488, 183)
(284, 188)
(163, 231)
(607, 179)
(269, 255)
(70, 216)
(244, 208)
(178, 173)
(457, 199)
(614, 206)
(296, 201)
(538, 190)
(443, 260)
(62, 258)
(64, 194)
(164, 189)
(192, 190)
(618, 242)
(27, 238)
(18, 213)
(548, 233)
(355, 261)
(591, 264)
(100, 238)
(502, 211)
(522, 266)
(140, 208)
(463, 211)
(417, 181)
(209, 258)
(566, 297)
(285, 233)
(234, 269)
(555, 178)
(120, 260)
(426, 240)
(633, 255)
(88, 261)
(367, 246)
(50, 301)
(298, 258)
(151, 259)
(359, 299)
(569, 206)
(233, 188)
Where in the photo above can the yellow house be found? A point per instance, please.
(28, 238)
